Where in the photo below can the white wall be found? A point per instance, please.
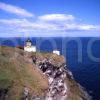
(56, 52)
(30, 49)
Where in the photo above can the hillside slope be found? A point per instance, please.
(20, 72)
(17, 73)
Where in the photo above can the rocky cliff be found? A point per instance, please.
(36, 76)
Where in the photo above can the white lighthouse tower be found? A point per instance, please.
(29, 47)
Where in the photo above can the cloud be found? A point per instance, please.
(15, 10)
(87, 27)
(67, 22)
(57, 17)
(26, 24)
(81, 27)
(40, 27)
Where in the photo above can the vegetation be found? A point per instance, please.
(16, 73)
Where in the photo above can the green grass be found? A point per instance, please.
(15, 73)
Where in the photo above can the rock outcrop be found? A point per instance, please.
(36, 76)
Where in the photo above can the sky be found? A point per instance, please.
(49, 18)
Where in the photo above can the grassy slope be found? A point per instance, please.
(15, 73)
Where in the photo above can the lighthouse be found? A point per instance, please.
(29, 47)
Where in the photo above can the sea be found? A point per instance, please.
(82, 57)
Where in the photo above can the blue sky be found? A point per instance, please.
(67, 18)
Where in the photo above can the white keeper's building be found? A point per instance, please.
(56, 52)
(29, 47)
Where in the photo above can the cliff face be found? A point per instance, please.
(36, 76)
